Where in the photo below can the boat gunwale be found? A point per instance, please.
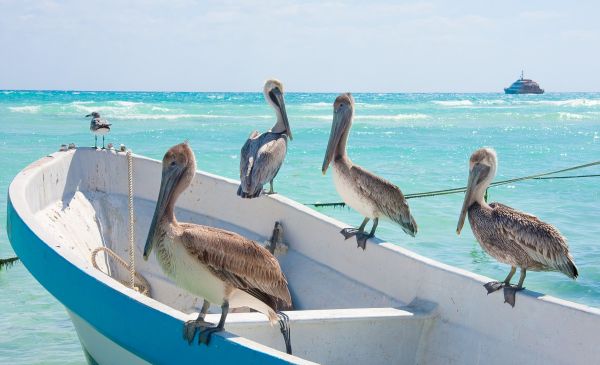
(373, 243)
(19, 203)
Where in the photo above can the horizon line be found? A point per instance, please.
(287, 92)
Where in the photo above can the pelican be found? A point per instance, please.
(514, 238)
(262, 155)
(365, 192)
(99, 127)
(220, 266)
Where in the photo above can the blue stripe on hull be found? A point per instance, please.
(150, 334)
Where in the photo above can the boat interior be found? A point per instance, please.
(382, 305)
(331, 308)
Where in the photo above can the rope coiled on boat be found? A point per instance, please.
(142, 285)
(542, 176)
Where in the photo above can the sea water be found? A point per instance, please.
(421, 142)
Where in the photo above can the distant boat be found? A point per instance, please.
(524, 86)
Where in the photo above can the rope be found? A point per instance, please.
(131, 222)
(542, 176)
(142, 285)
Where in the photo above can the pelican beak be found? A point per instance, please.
(477, 174)
(277, 97)
(340, 119)
(170, 178)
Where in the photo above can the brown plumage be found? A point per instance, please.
(370, 195)
(520, 239)
(512, 237)
(221, 266)
(238, 261)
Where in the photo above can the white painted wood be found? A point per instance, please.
(342, 295)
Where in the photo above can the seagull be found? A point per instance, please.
(220, 266)
(262, 155)
(98, 126)
(512, 237)
(367, 193)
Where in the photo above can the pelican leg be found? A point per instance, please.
(362, 237)
(191, 327)
(271, 191)
(493, 286)
(207, 333)
(510, 291)
(95, 141)
(284, 327)
(349, 232)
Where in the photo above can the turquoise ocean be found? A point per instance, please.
(421, 142)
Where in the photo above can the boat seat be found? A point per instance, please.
(342, 336)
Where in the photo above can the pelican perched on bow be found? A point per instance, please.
(514, 238)
(262, 155)
(365, 192)
(99, 127)
(221, 266)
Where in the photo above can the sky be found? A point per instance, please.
(329, 46)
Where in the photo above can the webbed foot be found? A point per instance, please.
(493, 286)
(361, 240)
(509, 294)
(191, 327)
(206, 334)
(349, 232)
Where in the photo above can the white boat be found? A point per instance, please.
(380, 306)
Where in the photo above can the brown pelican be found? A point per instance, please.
(514, 238)
(221, 266)
(370, 195)
(262, 155)
(99, 127)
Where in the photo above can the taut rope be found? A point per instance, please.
(543, 176)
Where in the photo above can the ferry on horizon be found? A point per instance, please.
(524, 86)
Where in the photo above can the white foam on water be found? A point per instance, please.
(140, 116)
(392, 117)
(568, 102)
(25, 109)
(160, 109)
(453, 102)
(125, 103)
(571, 116)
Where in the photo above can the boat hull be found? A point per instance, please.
(382, 305)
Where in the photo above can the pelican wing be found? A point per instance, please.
(387, 197)
(262, 158)
(247, 156)
(239, 262)
(542, 242)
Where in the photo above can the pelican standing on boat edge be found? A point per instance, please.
(220, 266)
(365, 192)
(512, 237)
(99, 127)
(262, 155)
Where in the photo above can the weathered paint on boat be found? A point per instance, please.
(382, 305)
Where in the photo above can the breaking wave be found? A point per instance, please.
(25, 109)
(453, 102)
